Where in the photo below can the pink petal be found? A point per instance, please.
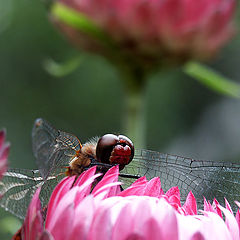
(64, 213)
(85, 176)
(33, 223)
(132, 190)
(175, 202)
(148, 209)
(2, 137)
(4, 151)
(57, 194)
(113, 172)
(173, 197)
(46, 236)
(111, 176)
(140, 181)
(106, 190)
(36, 226)
(170, 220)
(101, 227)
(238, 219)
(190, 206)
(217, 209)
(137, 188)
(61, 224)
(228, 207)
(207, 206)
(198, 236)
(188, 226)
(82, 219)
(3, 158)
(231, 223)
(173, 191)
(153, 188)
(213, 227)
(85, 188)
(142, 213)
(124, 224)
(238, 203)
(152, 230)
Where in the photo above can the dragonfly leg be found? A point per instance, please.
(126, 175)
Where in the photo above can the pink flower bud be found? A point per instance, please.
(4, 150)
(156, 31)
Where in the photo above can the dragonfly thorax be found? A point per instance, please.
(82, 159)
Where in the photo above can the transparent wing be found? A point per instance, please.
(52, 148)
(18, 186)
(204, 178)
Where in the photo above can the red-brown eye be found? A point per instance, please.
(114, 149)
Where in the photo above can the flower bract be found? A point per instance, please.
(86, 208)
(150, 30)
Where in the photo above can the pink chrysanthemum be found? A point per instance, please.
(142, 211)
(158, 29)
(4, 150)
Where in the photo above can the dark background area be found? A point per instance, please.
(183, 117)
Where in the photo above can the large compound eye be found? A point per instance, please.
(113, 149)
(105, 146)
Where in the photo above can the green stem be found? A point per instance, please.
(134, 117)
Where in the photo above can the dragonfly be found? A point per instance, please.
(57, 150)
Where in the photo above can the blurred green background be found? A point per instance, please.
(183, 117)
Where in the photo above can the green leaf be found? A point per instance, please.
(61, 69)
(81, 22)
(212, 79)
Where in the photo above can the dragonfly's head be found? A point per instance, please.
(113, 149)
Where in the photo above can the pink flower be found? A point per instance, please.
(32, 228)
(33, 224)
(159, 30)
(4, 150)
(142, 211)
